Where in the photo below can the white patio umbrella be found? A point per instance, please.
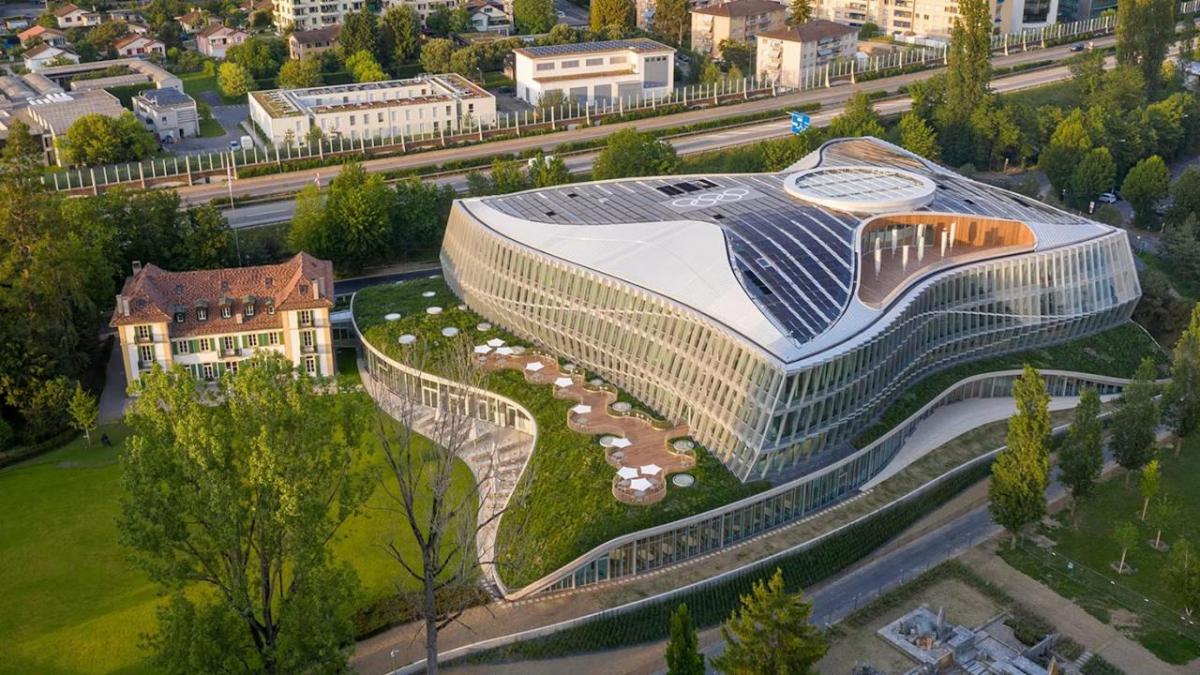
(627, 472)
(640, 484)
(622, 443)
(482, 349)
(504, 351)
(651, 469)
(563, 382)
(495, 342)
(532, 366)
(581, 409)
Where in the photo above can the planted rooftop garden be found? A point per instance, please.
(564, 501)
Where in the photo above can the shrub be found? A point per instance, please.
(1098, 666)
(6, 434)
(1029, 628)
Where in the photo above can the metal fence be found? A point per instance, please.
(187, 168)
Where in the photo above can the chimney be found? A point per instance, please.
(320, 286)
(316, 291)
(137, 267)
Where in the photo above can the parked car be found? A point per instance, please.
(1077, 47)
(1109, 197)
(234, 145)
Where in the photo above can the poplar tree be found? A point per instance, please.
(771, 633)
(1145, 30)
(968, 72)
(1017, 492)
(1182, 397)
(1182, 575)
(1135, 420)
(1082, 455)
(1150, 484)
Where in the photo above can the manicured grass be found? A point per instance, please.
(1063, 95)
(1115, 352)
(210, 128)
(566, 503)
(1140, 604)
(73, 603)
(196, 83)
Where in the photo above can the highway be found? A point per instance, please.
(831, 101)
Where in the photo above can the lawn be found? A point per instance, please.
(1078, 565)
(1115, 352)
(72, 601)
(568, 507)
(1062, 94)
(210, 128)
(194, 84)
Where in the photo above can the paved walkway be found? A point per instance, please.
(113, 399)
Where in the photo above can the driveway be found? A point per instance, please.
(570, 14)
(229, 116)
(113, 399)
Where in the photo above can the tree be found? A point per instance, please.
(435, 55)
(420, 212)
(507, 176)
(1135, 420)
(1017, 492)
(1067, 147)
(300, 73)
(548, 171)
(1180, 247)
(711, 73)
(460, 21)
(771, 633)
(683, 647)
(437, 22)
(234, 80)
(605, 13)
(1145, 30)
(801, 11)
(1087, 70)
(1182, 396)
(534, 16)
(1149, 485)
(672, 20)
(1095, 174)
(259, 55)
(365, 68)
(916, 135)
(100, 139)
(779, 154)
(968, 72)
(1081, 458)
(1182, 575)
(360, 33)
(1162, 512)
(241, 493)
(1185, 194)
(1126, 536)
(20, 144)
(738, 53)
(83, 410)
(465, 62)
(401, 25)
(629, 152)
(1145, 184)
(858, 118)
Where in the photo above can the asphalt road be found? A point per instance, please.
(830, 99)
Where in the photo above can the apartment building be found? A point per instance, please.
(304, 43)
(741, 20)
(424, 8)
(426, 104)
(310, 14)
(935, 18)
(783, 55)
(217, 38)
(209, 321)
(595, 72)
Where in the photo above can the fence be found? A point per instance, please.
(187, 169)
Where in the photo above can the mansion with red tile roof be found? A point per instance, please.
(210, 320)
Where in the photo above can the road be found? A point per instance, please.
(831, 104)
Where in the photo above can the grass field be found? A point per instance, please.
(194, 84)
(210, 128)
(1078, 566)
(72, 601)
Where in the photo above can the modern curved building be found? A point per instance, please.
(780, 314)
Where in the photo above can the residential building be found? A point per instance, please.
(934, 18)
(740, 20)
(209, 321)
(215, 39)
(16, 23)
(424, 8)
(784, 55)
(303, 43)
(53, 114)
(138, 28)
(194, 21)
(126, 15)
(1014, 16)
(41, 56)
(595, 72)
(169, 113)
(781, 314)
(489, 16)
(49, 36)
(310, 14)
(139, 46)
(71, 16)
(426, 104)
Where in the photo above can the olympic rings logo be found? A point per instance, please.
(706, 199)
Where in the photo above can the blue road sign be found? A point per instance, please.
(800, 122)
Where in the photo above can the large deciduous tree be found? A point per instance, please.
(1081, 458)
(360, 33)
(799, 11)
(363, 66)
(771, 633)
(99, 139)
(1145, 30)
(239, 493)
(234, 80)
(858, 118)
(534, 16)
(1147, 182)
(1094, 174)
(351, 225)
(609, 13)
(299, 73)
(916, 135)
(1017, 492)
(401, 26)
(632, 153)
(1135, 420)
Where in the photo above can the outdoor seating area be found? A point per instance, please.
(642, 453)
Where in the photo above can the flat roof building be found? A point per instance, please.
(595, 72)
(426, 104)
(740, 20)
(780, 314)
(54, 113)
(169, 113)
(783, 55)
(208, 321)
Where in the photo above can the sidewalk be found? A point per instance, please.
(113, 399)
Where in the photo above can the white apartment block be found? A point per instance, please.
(596, 72)
(424, 8)
(426, 104)
(209, 321)
(934, 18)
(310, 14)
(783, 55)
(171, 114)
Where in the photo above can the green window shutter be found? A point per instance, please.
(194, 345)
(220, 369)
(237, 341)
(264, 339)
(174, 348)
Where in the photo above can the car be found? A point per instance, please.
(683, 58)
(1077, 47)
(1109, 198)
(560, 14)
(1161, 210)
(234, 145)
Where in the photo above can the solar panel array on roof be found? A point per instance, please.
(639, 45)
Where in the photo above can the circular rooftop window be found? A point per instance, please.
(861, 189)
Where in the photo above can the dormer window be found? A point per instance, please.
(271, 307)
(180, 316)
(248, 306)
(226, 311)
(202, 314)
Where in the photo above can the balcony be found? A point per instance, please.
(228, 351)
(308, 349)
